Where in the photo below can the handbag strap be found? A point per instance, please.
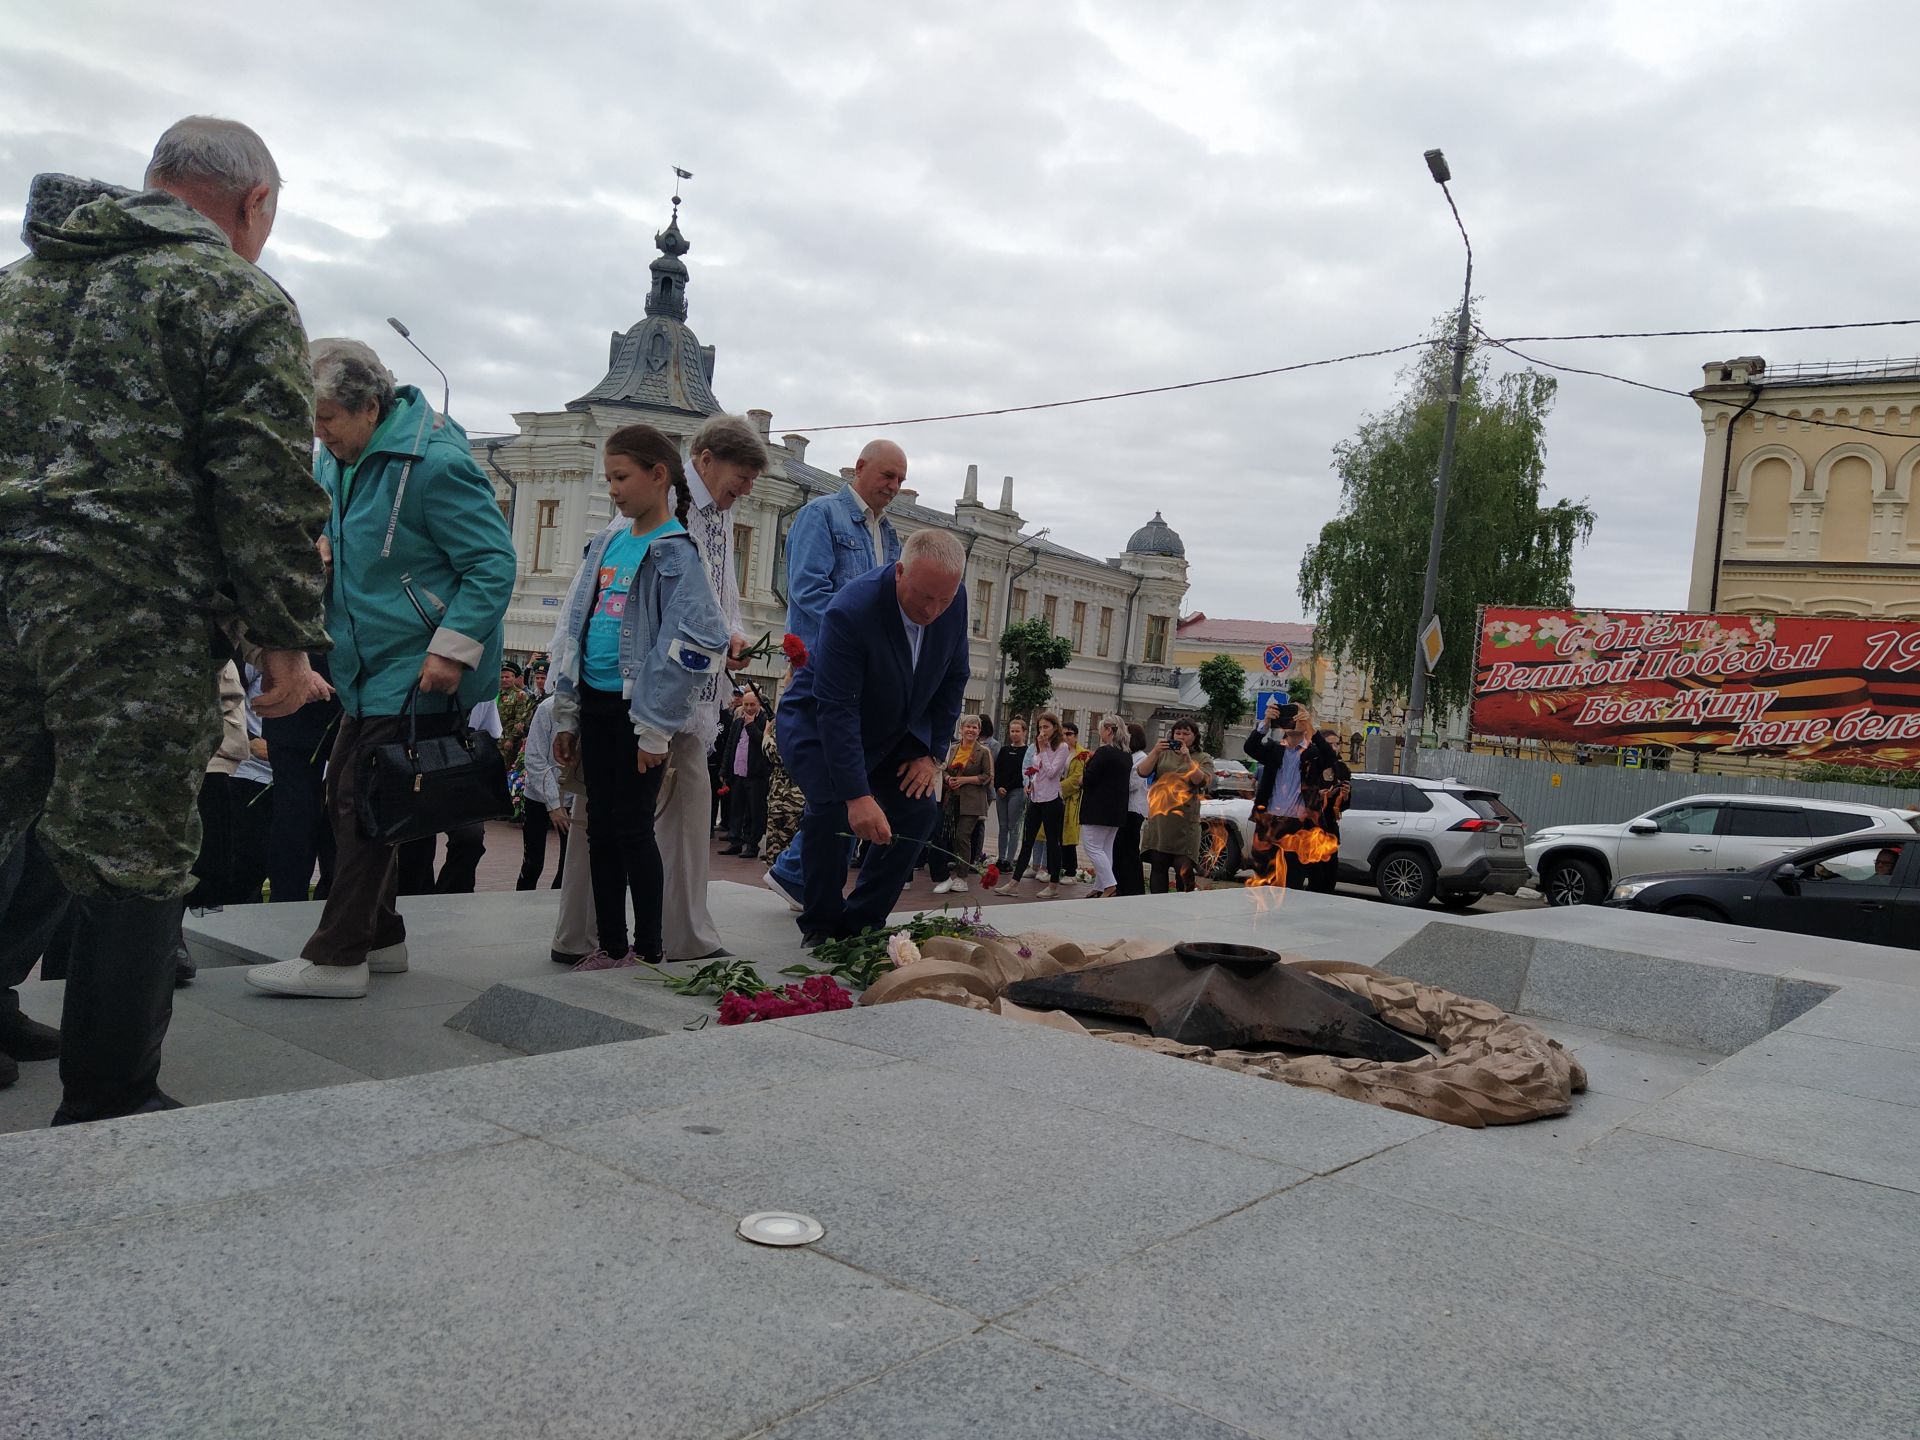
(412, 712)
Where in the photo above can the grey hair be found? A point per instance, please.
(729, 438)
(1118, 724)
(206, 150)
(349, 374)
(961, 723)
(937, 546)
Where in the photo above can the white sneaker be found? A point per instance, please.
(773, 884)
(1012, 887)
(303, 977)
(1045, 892)
(945, 887)
(959, 886)
(388, 960)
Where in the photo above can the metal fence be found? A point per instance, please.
(1543, 792)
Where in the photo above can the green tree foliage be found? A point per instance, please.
(1033, 653)
(1300, 690)
(1226, 686)
(1502, 546)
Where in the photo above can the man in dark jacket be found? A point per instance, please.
(1298, 801)
(157, 511)
(743, 769)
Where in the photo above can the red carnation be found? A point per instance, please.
(990, 877)
(795, 649)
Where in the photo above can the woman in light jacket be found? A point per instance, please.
(1046, 767)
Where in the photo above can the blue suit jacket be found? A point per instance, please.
(859, 703)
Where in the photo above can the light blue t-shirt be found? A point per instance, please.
(619, 563)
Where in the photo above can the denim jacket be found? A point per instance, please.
(671, 638)
(828, 546)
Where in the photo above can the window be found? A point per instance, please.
(1079, 626)
(1019, 603)
(1767, 822)
(981, 600)
(1106, 630)
(1375, 795)
(742, 556)
(1048, 606)
(1862, 865)
(1068, 717)
(1414, 800)
(1687, 819)
(1836, 822)
(546, 534)
(1156, 640)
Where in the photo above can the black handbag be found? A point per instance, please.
(413, 788)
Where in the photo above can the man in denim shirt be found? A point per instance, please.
(836, 538)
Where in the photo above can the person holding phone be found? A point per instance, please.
(1180, 774)
(1298, 801)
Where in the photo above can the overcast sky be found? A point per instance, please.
(902, 210)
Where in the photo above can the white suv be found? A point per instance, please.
(1579, 864)
(1412, 839)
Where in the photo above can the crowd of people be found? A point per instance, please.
(236, 567)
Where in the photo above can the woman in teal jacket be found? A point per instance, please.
(420, 569)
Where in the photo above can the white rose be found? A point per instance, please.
(901, 950)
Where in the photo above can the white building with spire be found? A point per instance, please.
(1118, 613)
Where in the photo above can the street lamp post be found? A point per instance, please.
(1417, 701)
(1007, 577)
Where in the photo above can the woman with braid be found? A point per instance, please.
(641, 630)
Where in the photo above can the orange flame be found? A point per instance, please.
(1172, 792)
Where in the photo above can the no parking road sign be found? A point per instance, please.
(1278, 659)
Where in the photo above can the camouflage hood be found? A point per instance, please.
(73, 219)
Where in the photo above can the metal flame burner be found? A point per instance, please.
(1225, 997)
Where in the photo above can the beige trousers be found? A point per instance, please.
(683, 826)
(576, 932)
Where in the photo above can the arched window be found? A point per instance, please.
(1769, 490)
(1846, 527)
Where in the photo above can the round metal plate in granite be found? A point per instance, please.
(780, 1227)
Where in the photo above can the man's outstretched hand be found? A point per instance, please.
(916, 778)
(869, 821)
(287, 681)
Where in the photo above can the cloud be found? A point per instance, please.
(899, 211)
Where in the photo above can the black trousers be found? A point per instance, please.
(213, 868)
(1320, 876)
(623, 854)
(534, 829)
(250, 805)
(300, 833)
(465, 846)
(746, 811)
(1165, 869)
(1127, 874)
(1051, 816)
(119, 997)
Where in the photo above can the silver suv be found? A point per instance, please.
(1412, 839)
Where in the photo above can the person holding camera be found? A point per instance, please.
(1180, 774)
(1298, 801)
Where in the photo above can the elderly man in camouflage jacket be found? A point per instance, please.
(157, 512)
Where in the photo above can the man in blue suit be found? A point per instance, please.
(865, 725)
(835, 539)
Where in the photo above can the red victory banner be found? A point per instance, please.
(1846, 691)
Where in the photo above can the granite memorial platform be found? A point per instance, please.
(1027, 1233)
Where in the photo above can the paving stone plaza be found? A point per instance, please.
(494, 1199)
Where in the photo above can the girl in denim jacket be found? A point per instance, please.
(640, 631)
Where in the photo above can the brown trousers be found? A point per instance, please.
(360, 914)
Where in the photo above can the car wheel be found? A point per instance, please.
(1572, 882)
(1219, 857)
(1690, 910)
(1404, 877)
(1461, 900)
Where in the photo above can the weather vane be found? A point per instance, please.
(679, 175)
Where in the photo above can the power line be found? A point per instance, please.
(1665, 390)
(1505, 343)
(1118, 394)
(1668, 334)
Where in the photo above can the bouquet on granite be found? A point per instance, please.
(812, 996)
